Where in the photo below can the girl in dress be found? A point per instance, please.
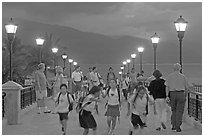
(86, 119)
(113, 105)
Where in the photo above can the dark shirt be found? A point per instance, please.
(157, 88)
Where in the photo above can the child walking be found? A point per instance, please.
(64, 104)
(124, 86)
(113, 105)
(86, 119)
(138, 102)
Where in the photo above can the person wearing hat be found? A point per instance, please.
(177, 87)
(157, 89)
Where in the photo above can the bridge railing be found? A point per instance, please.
(27, 97)
(195, 103)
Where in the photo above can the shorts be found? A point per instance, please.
(76, 87)
(41, 95)
(136, 121)
(63, 116)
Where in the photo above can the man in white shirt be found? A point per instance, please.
(176, 92)
(95, 77)
(77, 81)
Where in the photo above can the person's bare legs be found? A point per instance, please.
(113, 124)
(109, 119)
(86, 131)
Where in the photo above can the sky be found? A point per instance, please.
(135, 19)
(110, 18)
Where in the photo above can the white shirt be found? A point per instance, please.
(139, 107)
(94, 78)
(90, 107)
(63, 105)
(113, 97)
(176, 81)
(77, 76)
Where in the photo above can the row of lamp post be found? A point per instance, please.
(180, 25)
(11, 29)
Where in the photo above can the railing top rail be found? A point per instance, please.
(27, 87)
(196, 93)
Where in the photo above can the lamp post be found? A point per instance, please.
(122, 69)
(128, 62)
(133, 56)
(120, 75)
(54, 50)
(124, 63)
(70, 64)
(140, 50)
(180, 25)
(64, 57)
(11, 29)
(155, 40)
(74, 63)
(39, 42)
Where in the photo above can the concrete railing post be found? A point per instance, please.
(12, 102)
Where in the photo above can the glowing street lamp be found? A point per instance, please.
(128, 62)
(140, 50)
(54, 51)
(40, 42)
(133, 56)
(11, 29)
(124, 63)
(70, 64)
(74, 63)
(155, 40)
(64, 57)
(180, 25)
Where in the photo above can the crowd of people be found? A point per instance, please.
(138, 92)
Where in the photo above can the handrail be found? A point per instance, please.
(28, 96)
(195, 102)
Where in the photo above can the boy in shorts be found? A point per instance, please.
(64, 104)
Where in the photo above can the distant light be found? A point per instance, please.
(122, 67)
(133, 55)
(124, 62)
(64, 56)
(54, 50)
(70, 60)
(140, 49)
(39, 41)
(120, 72)
(74, 63)
(128, 60)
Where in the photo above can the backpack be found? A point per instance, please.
(108, 90)
(70, 103)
